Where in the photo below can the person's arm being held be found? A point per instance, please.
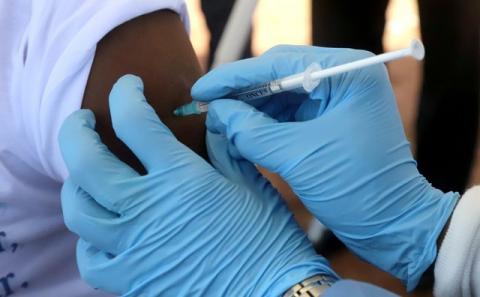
(155, 47)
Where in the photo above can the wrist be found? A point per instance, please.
(276, 257)
(427, 280)
(419, 218)
(441, 237)
(296, 263)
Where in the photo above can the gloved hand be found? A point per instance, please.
(341, 148)
(185, 228)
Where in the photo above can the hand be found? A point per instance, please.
(182, 229)
(341, 148)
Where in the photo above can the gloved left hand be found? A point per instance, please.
(185, 228)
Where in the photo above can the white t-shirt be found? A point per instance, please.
(46, 52)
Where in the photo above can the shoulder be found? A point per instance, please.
(62, 39)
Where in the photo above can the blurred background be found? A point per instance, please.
(271, 27)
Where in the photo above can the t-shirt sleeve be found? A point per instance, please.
(61, 42)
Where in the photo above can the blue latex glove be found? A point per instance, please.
(341, 148)
(185, 228)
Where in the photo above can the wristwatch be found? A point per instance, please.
(314, 286)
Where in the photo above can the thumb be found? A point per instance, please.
(257, 137)
(237, 170)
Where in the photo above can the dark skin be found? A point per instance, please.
(156, 48)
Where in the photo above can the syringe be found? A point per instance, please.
(308, 80)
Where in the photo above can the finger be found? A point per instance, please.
(90, 164)
(257, 137)
(237, 170)
(112, 273)
(89, 220)
(97, 268)
(283, 108)
(136, 123)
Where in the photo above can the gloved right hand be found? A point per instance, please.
(341, 148)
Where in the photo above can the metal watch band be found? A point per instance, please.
(314, 286)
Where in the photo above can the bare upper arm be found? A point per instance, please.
(156, 48)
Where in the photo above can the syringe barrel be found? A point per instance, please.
(258, 92)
